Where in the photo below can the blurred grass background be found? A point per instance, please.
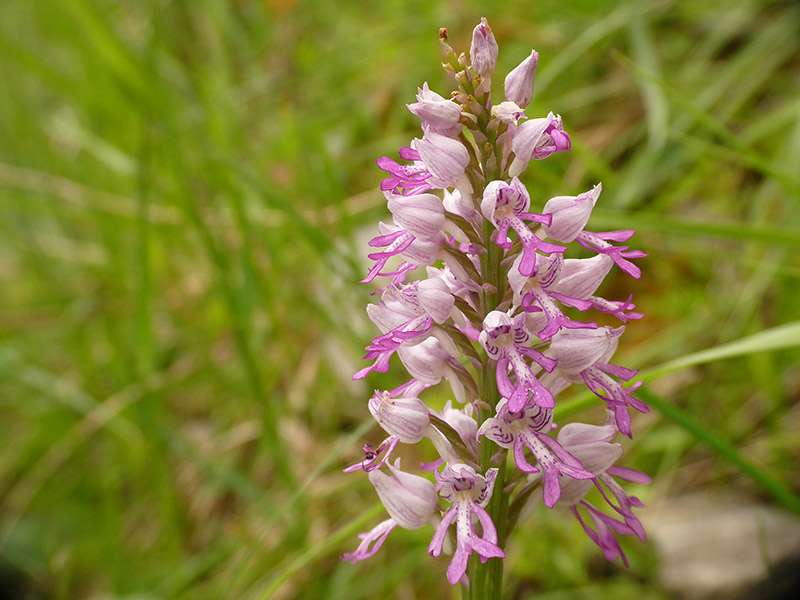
(186, 188)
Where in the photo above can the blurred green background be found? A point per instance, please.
(186, 189)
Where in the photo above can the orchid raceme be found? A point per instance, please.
(498, 312)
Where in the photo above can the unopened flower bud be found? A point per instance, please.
(435, 299)
(455, 203)
(462, 421)
(483, 51)
(445, 158)
(404, 418)
(519, 82)
(426, 361)
(434, 110)
(422, 215)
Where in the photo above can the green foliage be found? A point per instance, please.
(186, 190)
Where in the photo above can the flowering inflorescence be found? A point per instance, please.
(491, 317)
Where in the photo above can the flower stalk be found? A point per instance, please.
(487, 578)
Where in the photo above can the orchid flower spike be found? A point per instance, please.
(505, 313)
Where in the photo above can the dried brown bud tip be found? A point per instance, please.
(443, 33)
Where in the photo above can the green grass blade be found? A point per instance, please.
(777, 338)
(268, 585)
(724, 449)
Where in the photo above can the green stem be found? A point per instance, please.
(486, 579)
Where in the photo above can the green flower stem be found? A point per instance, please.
(486, 579)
